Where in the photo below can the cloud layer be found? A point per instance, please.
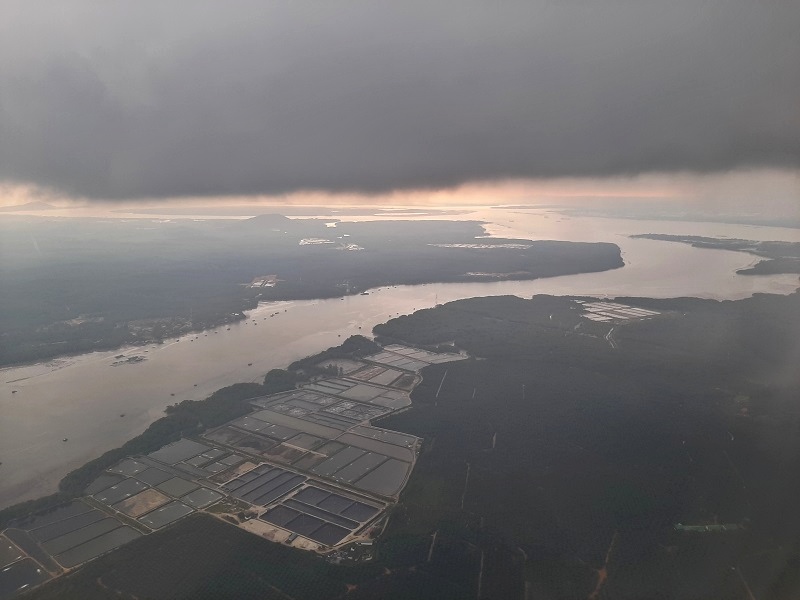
(164, 99)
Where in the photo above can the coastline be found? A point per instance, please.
(245, 314)
(221, 406)
(54, 397)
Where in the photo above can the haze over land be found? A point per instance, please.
(552, 249)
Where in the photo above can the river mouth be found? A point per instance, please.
(82, 397)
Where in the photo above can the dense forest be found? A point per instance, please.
(780, 257)
(190, 417)
(555, 464)
(77, 285)
(581, 453)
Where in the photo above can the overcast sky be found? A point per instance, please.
(123, 100)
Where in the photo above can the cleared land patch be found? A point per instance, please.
(142, 503)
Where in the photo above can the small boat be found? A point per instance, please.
(64, 440)
(121, 414)
(249, 364)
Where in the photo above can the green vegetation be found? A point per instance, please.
(549, 456)
(30, 507)
(77, 285)
(572, 444)
(775, 266)
(353, 347)
(215, 560)
(280, 380)
(183, 419)
(187, 418)
(782, 257)
(201, 557)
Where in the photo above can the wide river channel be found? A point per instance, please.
(82, 398)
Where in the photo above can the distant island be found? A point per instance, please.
(781, 257)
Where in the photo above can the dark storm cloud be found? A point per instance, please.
(160, 99)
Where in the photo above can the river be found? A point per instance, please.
(82, 398)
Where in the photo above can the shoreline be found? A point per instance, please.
(81, 384)
(246, 313)
(57, 487)
(72, 359)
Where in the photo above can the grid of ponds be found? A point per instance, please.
(364, 470)
(321, 429)
(166, 514)
(322, 516)
(22, 574)
(332, 438)
(77, 532)
(263, 485)
(157, 493)
(409, 359)
(363, 457)
(317, 407)
(192, 458)
(433, 358)
(377, 374)
(614, 312)
(360, 391)
(142, 503)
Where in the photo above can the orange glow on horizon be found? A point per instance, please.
(717, 189)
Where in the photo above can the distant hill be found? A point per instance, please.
(273, 221)
(29, 206)
(266, 220)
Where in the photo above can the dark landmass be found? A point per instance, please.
(555, 464)
(202, 557)
(353, 347)
(782, 257)
(775, 266)
(78, 285)
(692, 418)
